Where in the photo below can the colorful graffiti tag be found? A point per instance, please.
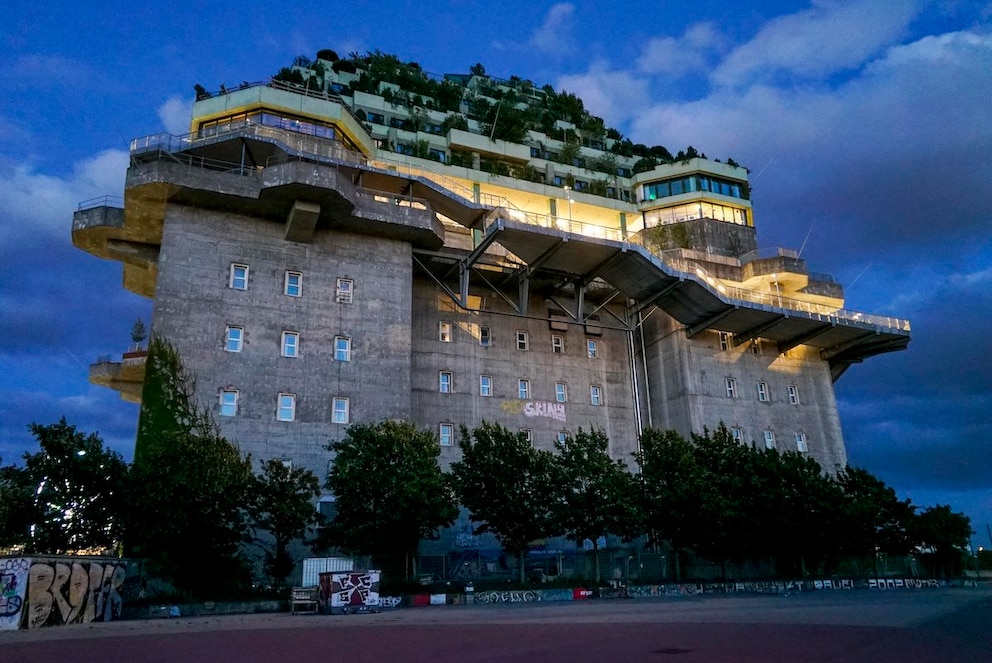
(52, 592)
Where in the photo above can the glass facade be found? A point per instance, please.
(700, 210)
(267, 119)
(693, 183)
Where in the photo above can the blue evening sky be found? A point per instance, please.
(867, 126)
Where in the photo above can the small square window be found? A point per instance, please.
(446, 432)
(562, 437)
(738, 434)
(595, 395)
(485, 385)
(592, 348)
(444, 382)
(234, 340)
(522, 340)
(528, 435)
(523, 389)
(769, 439)
(731, 385)
(561, 392)
(339, 410)
(793, 395)
(756, 347)
(294, 284)
(557, 344)
(724, 341)
(286, 407)
(345, 291)
(228, 403)
(239, 277)
(290, 344)
(444, 331)
(342, 348)
(762, 391)
(485, 337)
(801, 443)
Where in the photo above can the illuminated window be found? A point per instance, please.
(444, 382)
(557, 344)
(239, 277)
(523, 389)
(446, 432)
(731, 385)
(444, 331)
(485, 385)
(234, 339)
(294, 284)
(762, 391)
(228, 403)
(793, 395)
(286, 407)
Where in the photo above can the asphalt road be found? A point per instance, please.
(908, 626)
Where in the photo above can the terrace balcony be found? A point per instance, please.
(126, 376)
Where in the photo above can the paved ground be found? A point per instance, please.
(945, 625)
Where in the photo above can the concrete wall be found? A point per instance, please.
(194, 304)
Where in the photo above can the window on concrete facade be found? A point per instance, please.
(340, 410)
(769, 438)
(294, 284)
(731, 385)
(562, 437)
(528, 435)
(345, 291)
(523, 389)
(523, 339)
(557, 344)
(286, 407)
(561, 392)
(724, 340)
(793, 395)
(444, 331)
(239, 277)
(756, 347)
(342, 348)
(485, 337)
(228, 403)
(762, 391)
(444, 382)
(446, 432)
(485, 385)
(290, 344)
(738, 434)
(801, 442)
(234, 338)
(595, 395)
(592, 348)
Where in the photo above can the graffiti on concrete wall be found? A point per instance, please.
(13, 589)
(494, 596)
(348, 591)
(74, 592)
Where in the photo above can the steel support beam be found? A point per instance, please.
(799, 339)
(757, 330)
(708, 322)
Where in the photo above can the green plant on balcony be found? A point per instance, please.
(663, 238)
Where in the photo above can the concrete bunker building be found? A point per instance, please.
(348, 250)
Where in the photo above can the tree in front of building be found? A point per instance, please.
(595, 495)
(389, 490)
(68, 496)
(281, 505)
(876, 520)
(505, 483)
(945, 535)
(189, 486)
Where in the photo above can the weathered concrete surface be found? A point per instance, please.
(941, 625)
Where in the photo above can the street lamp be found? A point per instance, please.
(568, 196)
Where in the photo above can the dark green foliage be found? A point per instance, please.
(877, 520)
(389, 489)
(596, 495)
(281, 504)
(477, 69)
(288, 75)
(945, 535)
(644, 164)
(506, 485)
(66, 497)
(328, 55)
(454, 122)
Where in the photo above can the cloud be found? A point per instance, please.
(829, 37)
(613, 95)
(675, 57)
(175, 114)
(554, 35)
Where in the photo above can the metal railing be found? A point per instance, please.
(101, 201)
(769, 252)
(553, 222)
